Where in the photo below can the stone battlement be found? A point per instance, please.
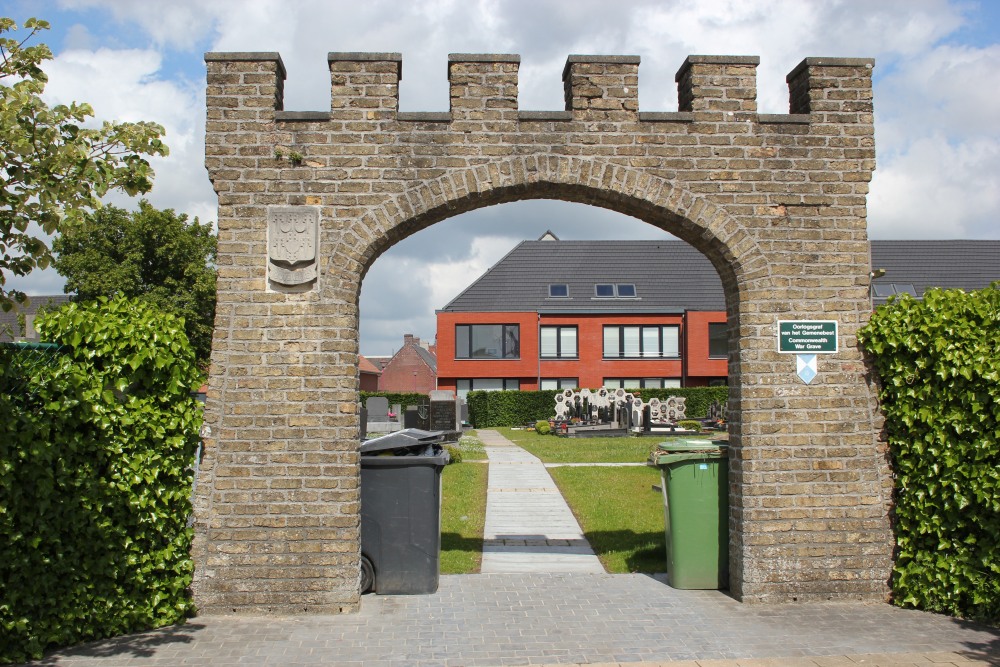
(484, 87)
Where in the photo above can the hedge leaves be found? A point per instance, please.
(96, 449)
(938, 361)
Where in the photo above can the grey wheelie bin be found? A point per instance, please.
(696, 512)
(401, 512)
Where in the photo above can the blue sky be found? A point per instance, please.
(937, 75)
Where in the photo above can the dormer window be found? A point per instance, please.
(559, 291)
(614, 291)
(885, 290)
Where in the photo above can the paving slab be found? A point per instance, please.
(529, 527)
(490, 620)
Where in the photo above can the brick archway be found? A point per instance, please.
(777, 203)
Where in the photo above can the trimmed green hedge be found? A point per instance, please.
(489, 409)
(939, 370)
(95, 479)
(394, 397)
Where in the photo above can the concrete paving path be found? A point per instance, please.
(497, 620)
(529, 527)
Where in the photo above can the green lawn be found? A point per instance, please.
(463, 515)
(555, 449)
(621, 516)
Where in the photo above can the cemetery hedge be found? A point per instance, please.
(395, 397)
(97, 442)
(939, 387)
(489, 409)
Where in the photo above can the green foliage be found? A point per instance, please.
(150, 254)
(542, 427)
(939, 385)
(606, 449)
(454, 454)
(54, 168)
(621, 516)
(404, 398)
(490, 409)
(95, 480)
(463, 517)
(689, 424)
(699, 399)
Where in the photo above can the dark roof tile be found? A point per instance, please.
(673, 276)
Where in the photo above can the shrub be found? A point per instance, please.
(542, 427)
(95, 480)
(454, 453)
(509, 408)
(689, 425)
(939, 385)
(397, 398)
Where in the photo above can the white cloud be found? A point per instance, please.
(126, 85)
(180, 24)
(938, 190)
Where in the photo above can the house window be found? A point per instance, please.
(559, 291)
(614, 290)
(641, 383)
(464, 386)
(487, 341)
(560, 383)
(885, 290)
(718, 340)
(641, 342)
(558, 342)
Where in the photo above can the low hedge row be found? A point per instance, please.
(489, 409)
(402, 398)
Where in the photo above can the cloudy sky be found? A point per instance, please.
(937, 105)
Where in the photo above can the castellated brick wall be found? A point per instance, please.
(777, 202)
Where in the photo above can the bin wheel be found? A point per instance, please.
(367, 575)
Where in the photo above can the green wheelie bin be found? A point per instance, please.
(695, 488)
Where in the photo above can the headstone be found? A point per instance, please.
(411, 417)
(443, 413)
(378, 408)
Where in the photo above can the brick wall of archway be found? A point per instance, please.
(777, 203)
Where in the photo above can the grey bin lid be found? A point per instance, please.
(693, 446)
(406, 439)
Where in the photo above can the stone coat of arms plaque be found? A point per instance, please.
(292, 239)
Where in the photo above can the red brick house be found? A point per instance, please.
(369, 374)
(555, 314)
(412, 368)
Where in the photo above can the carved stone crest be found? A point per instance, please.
(292, 240)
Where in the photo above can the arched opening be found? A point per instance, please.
(675, 356)
(658, 219)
